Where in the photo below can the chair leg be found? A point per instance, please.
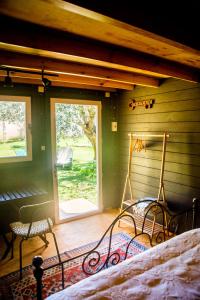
(55, 241)
(12, 245)
(43, 238)
(20, 258)
(54, 237)
(8, 246)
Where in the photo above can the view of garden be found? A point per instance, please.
(12, 129)
(76, 129)
(79, 181)
(13, 147)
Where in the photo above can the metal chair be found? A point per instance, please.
(34, 220)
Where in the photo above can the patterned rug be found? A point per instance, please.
(12, 288)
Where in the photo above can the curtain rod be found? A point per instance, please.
(148, 135)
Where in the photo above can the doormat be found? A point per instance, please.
(12, 288)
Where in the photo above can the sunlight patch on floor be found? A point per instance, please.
(75, 207)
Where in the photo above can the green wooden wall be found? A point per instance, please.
(177, 111)
(39, 170)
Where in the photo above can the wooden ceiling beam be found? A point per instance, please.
(71, 79)
(83, 86)
(56, 66)
(60, 84)
(93, 81)
(71, 18)
(57, 45)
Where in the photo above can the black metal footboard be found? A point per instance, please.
(155, 214)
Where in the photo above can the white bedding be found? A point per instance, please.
(170, 270)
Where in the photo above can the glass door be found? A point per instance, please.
(76, 157)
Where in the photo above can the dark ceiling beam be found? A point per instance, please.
(56, 66)
(34, 81)
(36, 40)
(169, 20)
(71, 79)
(65, 16)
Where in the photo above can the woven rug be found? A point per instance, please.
(12, 288)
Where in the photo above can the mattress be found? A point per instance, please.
(170, 270)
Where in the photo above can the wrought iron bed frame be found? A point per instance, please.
(92, 259)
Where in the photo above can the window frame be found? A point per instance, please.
(28, 126)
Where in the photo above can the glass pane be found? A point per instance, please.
(76, 144)
(12, 129)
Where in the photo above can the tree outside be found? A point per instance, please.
(76, 128)
(12, 132)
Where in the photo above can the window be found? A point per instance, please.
(15, 129)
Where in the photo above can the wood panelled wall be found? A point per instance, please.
(176, 111)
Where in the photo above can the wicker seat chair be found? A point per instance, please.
(34, 220)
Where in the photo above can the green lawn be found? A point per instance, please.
(80, 181)
(10, 148)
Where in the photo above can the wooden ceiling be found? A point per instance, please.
(87, 49)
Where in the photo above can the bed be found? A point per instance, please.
(169, 270)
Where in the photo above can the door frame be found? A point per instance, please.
(98, 104)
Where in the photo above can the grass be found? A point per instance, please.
(82, 141)
(79, 182)
(82, 154)
(9, 148)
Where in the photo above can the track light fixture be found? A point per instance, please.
(8, 81)
(9, 70)
(46, 82)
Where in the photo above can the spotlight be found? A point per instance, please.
(8, 81)
(45, 81)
